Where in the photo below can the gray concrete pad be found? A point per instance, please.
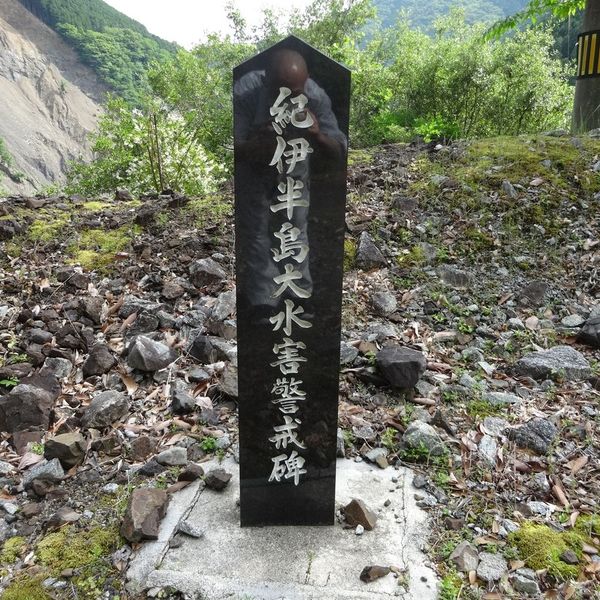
(292, 563)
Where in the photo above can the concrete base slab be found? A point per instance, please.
(292, 563)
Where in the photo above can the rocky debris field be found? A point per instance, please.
(470, 352)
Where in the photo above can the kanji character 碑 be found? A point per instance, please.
(287, 467)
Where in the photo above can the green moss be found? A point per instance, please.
(540, 547)
(96, 248)
(95, 206)
(360, 157)
(414, 257)
(588, 525)
(350, 249)
(12, 549)
(71, 549)
(209, 210)
(48, 229)
(26, 588)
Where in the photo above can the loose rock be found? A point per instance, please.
(105, 409)
(217, 479)
(69, 448)
(401, 367)
(357, 513)
(144, 513)
(147, 354)
(561, 361)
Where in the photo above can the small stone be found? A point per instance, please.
(205, 272)
(217, 479)
(563, 361)
(48, 470)
(340, 444)
(192, 472)
(173, 457)
(524, 581)
(348, 353)
(572, 321)
(123, 194)
(172, 290)
(32, 509)
(509, 189)
(420, 435)
(454, 277)
(501, 398)
(492, 567)
(111, 489)
(182, 401)
(569, 557)
(28, 404)
(454, 524)
(488, 447)
(368, 255)
(105, 409)
(534, 293)
(188, 529)
(374, 572)
(359, 530)
(228, 384)
(537, 435)
(142, 447)
(146, 354)
(202, 350)
(590, 333)
(465, 557)
(142, 519)
(63, 516)
(384, 303)
(69, 448)
(357, 513)
(401, 367)
(99, 361)
(59, 367)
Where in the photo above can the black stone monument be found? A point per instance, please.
(291, 137)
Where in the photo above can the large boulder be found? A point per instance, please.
(146, 354)
(105, 409)
(560, 361)
(29, 404)
(144, 513)
(401, 367)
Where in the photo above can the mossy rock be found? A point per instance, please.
(541, 547)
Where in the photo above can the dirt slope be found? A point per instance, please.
(48, 101)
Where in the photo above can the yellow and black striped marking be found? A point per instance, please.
(588, 54)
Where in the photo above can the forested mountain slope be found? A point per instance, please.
(475, 10)
(48, 102)
(117, 48)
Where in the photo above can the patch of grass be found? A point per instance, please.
(540, 547)
(480, 408)
(450, 586)
(414, 257)
(389, 439)
(208, 443)
(12, 549)
(96, 248)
